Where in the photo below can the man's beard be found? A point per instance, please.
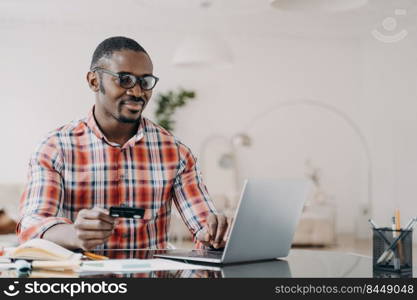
(124, 119)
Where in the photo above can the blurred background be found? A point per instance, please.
(283, 88)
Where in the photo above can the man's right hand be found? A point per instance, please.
(93, 227)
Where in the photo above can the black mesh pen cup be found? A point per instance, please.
(392, 250)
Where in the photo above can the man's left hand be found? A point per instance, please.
(215, 232)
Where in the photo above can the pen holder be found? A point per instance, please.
(400, 258)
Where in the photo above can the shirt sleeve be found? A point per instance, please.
(190, 193)
(42, 198)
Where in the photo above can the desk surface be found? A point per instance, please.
(299, 263)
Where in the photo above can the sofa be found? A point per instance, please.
(9, 203)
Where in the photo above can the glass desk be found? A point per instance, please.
(299, 263)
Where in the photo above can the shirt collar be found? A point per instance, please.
(92, 124)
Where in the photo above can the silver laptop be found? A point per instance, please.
(263, 226)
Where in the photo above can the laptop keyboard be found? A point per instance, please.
(205, 253)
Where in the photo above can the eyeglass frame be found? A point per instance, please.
(137, 78)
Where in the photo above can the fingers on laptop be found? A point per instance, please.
(216, 227)
(227, 234)
(216, 231)
(222, 225)
(212, 226)
(203, 236)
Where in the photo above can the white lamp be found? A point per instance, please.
(365, 207)
(318, 5)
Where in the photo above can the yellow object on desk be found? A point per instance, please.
(94, 256)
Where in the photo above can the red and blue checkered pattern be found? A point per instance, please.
(76, 167)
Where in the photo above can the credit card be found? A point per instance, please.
(127, 212)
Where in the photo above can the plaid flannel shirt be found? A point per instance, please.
(76, 167)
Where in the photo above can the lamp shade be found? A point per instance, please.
(318, 5)
(203, 50)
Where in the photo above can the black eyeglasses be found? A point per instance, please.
(128, 81)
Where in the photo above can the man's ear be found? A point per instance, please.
(93, 81)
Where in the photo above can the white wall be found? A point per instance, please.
(389, 115)
(42, 78)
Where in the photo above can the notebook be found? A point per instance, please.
(40, 249)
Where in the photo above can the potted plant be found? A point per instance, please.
(168, 103)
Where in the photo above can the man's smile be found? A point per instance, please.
(133, 105)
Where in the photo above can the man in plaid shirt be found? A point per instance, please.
(116, 157)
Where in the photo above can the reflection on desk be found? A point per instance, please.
(299, 263)
(266, 269)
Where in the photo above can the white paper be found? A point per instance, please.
(138, 265)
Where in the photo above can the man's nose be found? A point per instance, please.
(135, 91)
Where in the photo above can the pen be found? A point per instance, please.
(389, 257)
(382, 236)
(91, 255)
(409, 226)
(398, 228)
(374, 226)
(394, 227)
(373, 223)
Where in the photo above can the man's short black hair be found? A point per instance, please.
(116, 43)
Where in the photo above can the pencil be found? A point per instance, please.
(398, 228)
(94, 256)
(397, 219)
